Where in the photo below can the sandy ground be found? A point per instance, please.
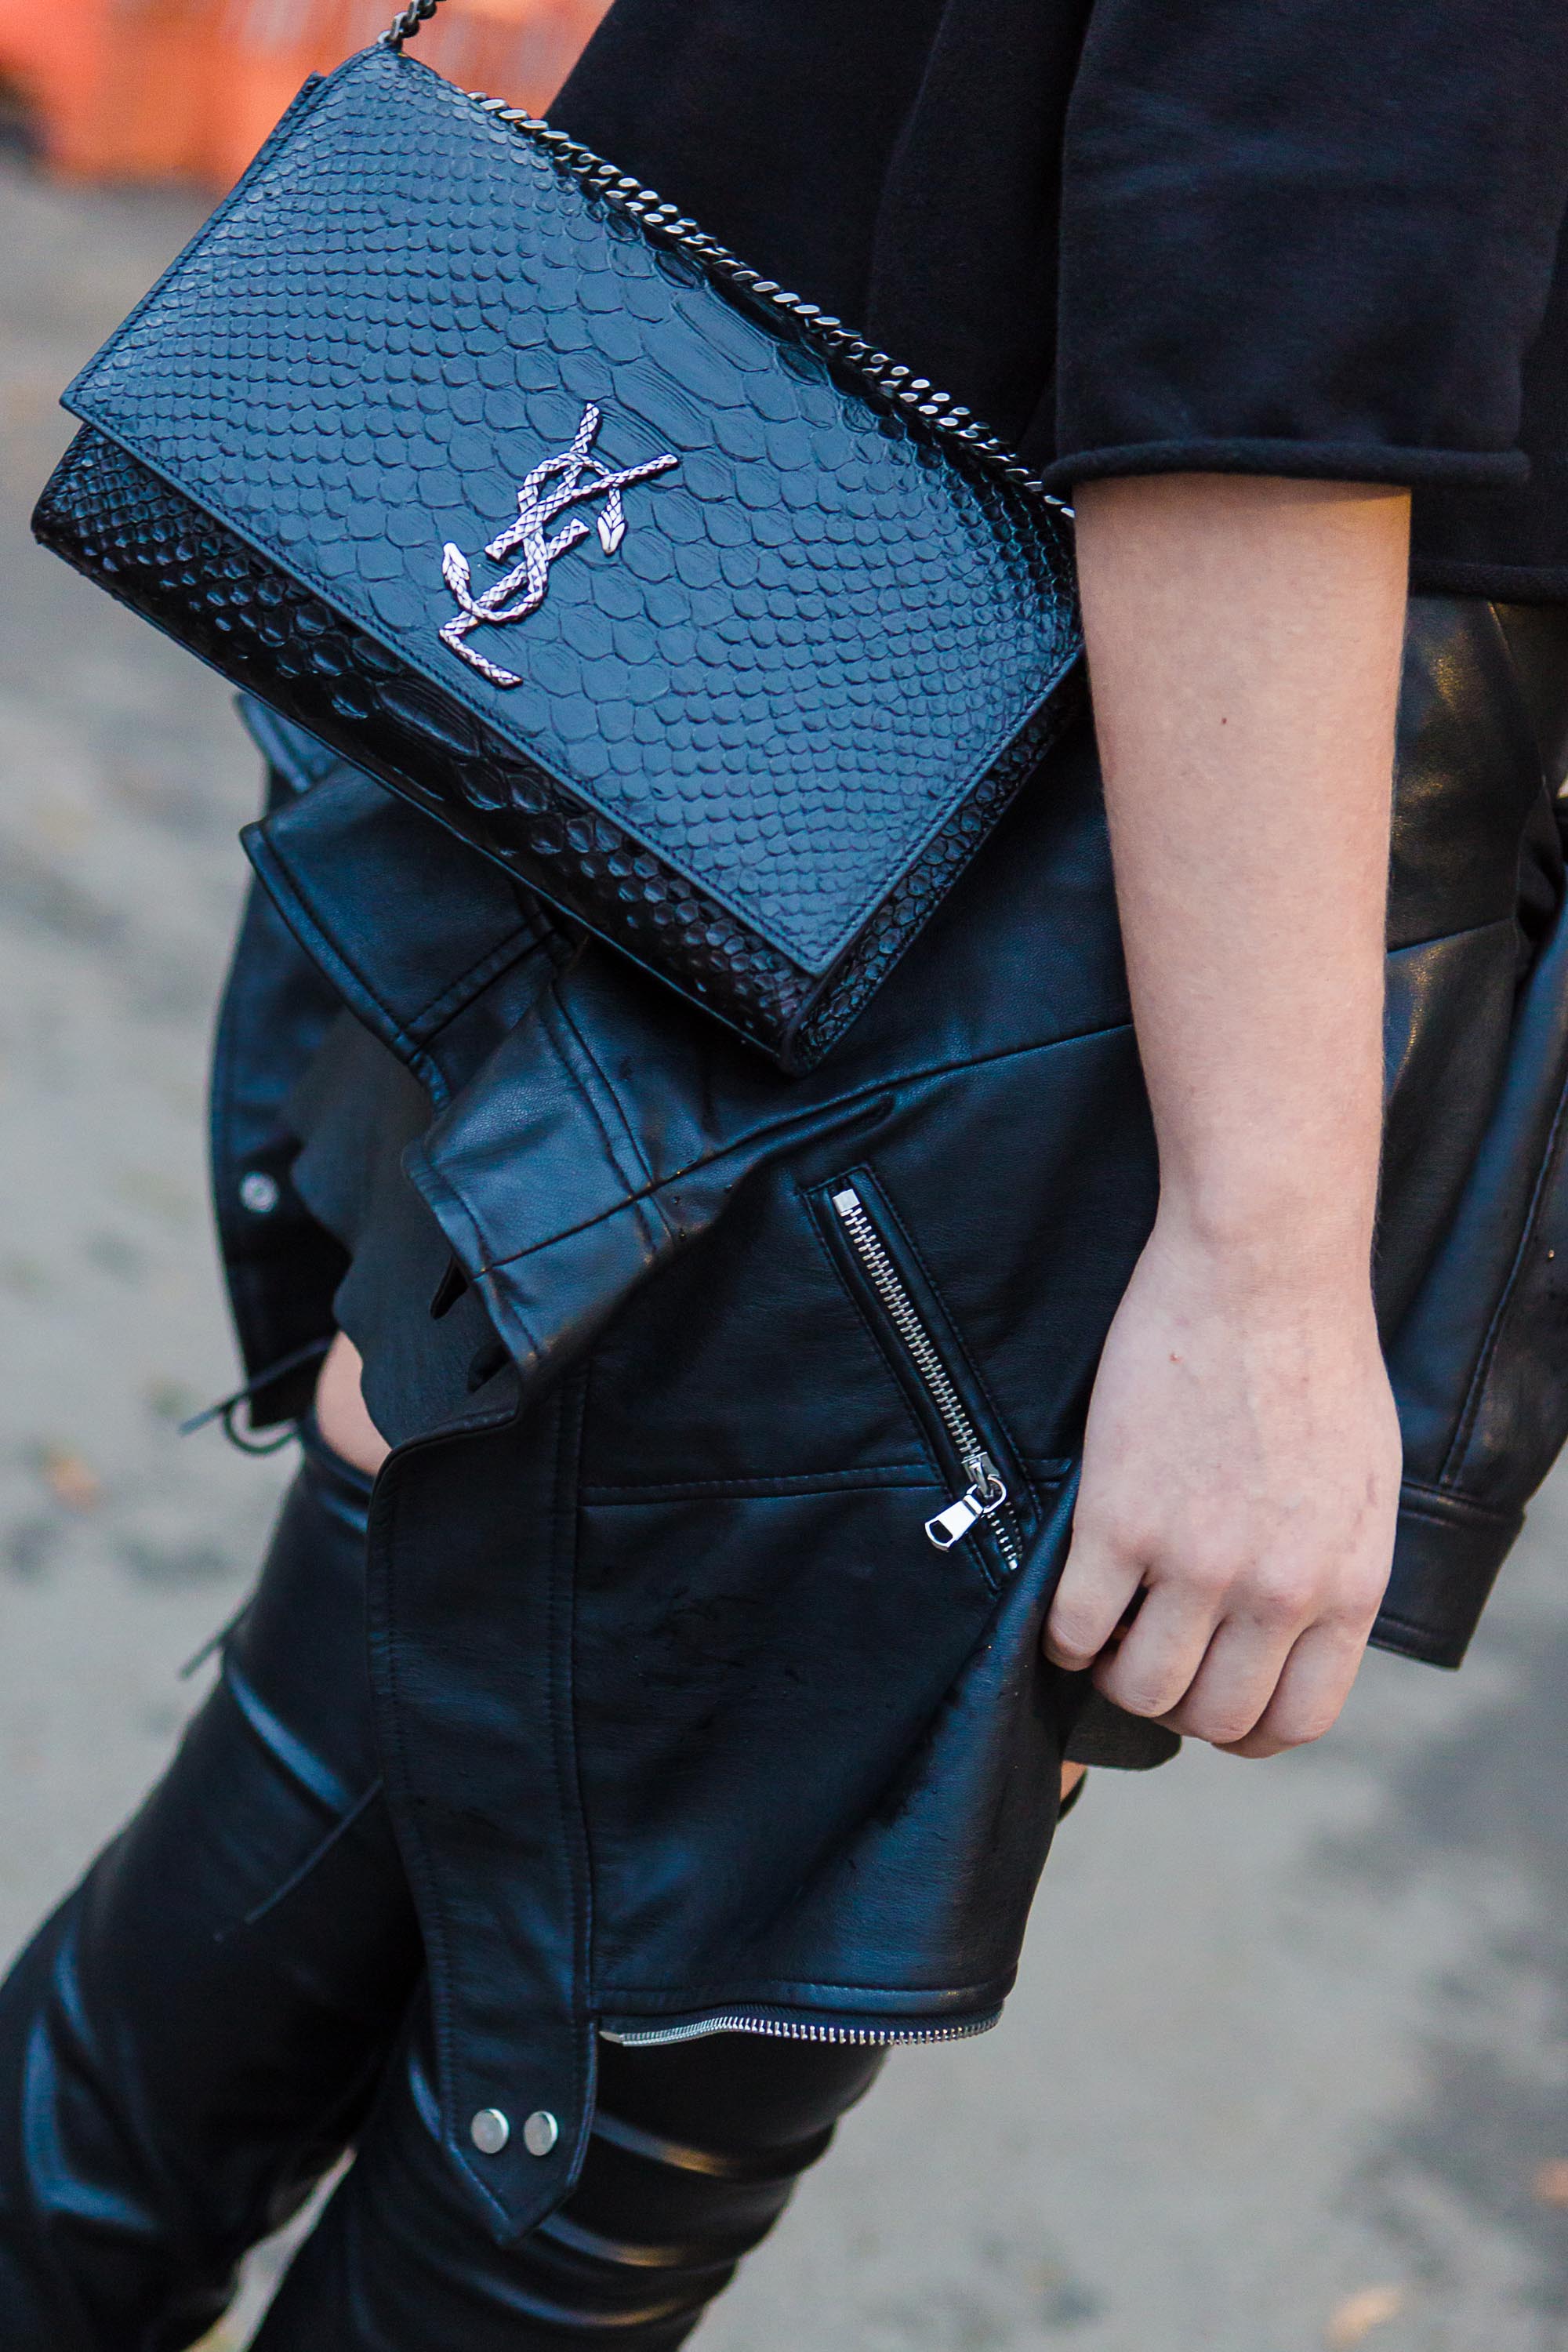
(1290, 2049)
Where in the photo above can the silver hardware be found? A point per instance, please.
(579, 477)
(540, 2132)
(987, 1493)
(258, 1193)
(825, 334)
(489, 2131)
(792, 2028)
(403, 27)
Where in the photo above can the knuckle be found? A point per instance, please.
(1074, 1656)
(1208, 1576)
(1142, 1694)
(1080, 1605)
(1220, 1724)
(1282, 1742)
(1301, 1727)
(1297, 1729)
(1283, 1597)
(1084, 1614)
(1113, 1539)
(1074, 1628)
(1354, 1606)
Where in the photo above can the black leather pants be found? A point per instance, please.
(233, 1995)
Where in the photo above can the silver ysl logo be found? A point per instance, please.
(577, 477)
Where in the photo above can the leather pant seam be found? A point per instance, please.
(318, 1854)
(319, 1783)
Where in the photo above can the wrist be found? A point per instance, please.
(1278, 1238)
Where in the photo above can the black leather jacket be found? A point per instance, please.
(684, 1718)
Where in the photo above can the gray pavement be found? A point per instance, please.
(1288, 2063)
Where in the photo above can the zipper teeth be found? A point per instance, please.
(868, 1248)
(910, 1330)
(786, 2028)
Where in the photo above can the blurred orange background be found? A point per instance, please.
(187, 89)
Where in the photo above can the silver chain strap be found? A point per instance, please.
(666, 223)
(402, 28)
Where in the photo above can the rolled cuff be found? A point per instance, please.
(1332, 461)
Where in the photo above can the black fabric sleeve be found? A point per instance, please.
(1308, 236)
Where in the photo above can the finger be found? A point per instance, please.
(1237, 1680)
(1098, 1587)
(1314, 1686)
(1153, 1667)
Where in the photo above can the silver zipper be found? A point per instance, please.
(790, 2029)
(986, 1494)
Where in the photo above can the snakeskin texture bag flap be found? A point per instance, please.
(721, 632)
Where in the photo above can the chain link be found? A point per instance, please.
(665, 224)
(947, 417)
(402, 28)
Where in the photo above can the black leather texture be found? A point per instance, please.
(160, 2138)
(693, 1717)
(755, 729)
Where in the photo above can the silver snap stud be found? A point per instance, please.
(489, 2131)
(540, 2132)
(258, 1193)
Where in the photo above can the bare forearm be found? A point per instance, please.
(1241, 1460)
(1244, 639)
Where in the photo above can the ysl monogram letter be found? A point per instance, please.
(570, 478)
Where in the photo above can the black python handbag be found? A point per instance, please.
(720, 631)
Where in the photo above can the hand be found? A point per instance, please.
(1236, 1520)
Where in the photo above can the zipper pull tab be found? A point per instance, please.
(988, 1494)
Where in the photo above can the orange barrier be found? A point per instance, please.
(160, 90)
